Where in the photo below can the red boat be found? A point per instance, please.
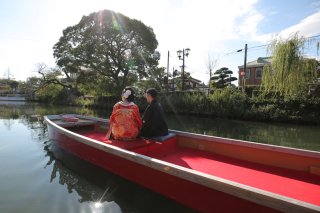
(205, 173)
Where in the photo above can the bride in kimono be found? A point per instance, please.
(125, 121)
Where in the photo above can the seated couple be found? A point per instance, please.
(125, 121)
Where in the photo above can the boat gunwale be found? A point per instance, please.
(262, 197)
(274, 148)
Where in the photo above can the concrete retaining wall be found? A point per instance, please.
(12, 99)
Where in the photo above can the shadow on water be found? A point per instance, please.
(90, 182)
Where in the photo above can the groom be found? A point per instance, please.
(154, 122)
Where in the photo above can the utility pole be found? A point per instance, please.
(173, 79)
(168, 73)
(183, 71)
(244, 68)
(209, 82)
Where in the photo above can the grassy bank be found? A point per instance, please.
(227, 103)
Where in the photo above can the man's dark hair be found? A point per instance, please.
(153, 92)
(133, 93)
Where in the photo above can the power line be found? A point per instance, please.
(240, 50)
(257, 46)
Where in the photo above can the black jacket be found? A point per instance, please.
(154, 122)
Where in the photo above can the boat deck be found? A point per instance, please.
(294, 184)
(290, 183)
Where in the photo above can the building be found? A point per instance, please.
(254, 71)
(203, 87)
(190, 83)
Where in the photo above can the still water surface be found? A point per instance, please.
(32, 179)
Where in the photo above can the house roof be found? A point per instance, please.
(202, 86)
(260, 62)
(191, 79)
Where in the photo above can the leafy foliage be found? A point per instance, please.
(179, 81)
(289, 70)
(154, 80)
(30, 85)
(222, 78)
(54, 76)
(50, 92)
(110, 45)
(14, 85)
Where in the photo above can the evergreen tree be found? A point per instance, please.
(222, 78)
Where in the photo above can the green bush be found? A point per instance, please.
(222, 103)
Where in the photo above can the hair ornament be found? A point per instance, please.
(127, 93)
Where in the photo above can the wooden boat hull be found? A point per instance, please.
(199, 191)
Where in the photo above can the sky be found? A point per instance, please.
(30, 28)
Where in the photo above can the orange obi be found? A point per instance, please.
(125, 121)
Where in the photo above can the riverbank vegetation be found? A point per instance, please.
(229, 103)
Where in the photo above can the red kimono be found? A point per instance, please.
(125, 122)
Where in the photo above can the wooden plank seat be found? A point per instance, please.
(128, 145)
(290, 183)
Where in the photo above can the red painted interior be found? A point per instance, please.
(198, 197)
(294, 184)
(141, 146)
(128, 145)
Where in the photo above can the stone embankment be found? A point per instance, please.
(12, 98)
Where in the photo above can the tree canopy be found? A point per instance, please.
(290, 70)
(155, 80)
(107, 45)
(14, 85)
(222, 78)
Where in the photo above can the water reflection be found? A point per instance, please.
(79, 186)
(289, 135)
(280, 134)
(99, 187)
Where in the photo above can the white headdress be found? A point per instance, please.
(127, 93)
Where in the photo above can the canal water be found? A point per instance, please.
(33, 179)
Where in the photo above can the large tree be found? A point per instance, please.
(222, 78)
(110, 45)
(14, 85)
(154, 80)
(55, 76)
(32, 84)
(290, 70)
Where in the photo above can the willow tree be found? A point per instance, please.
(107, 45)
(290, 70)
